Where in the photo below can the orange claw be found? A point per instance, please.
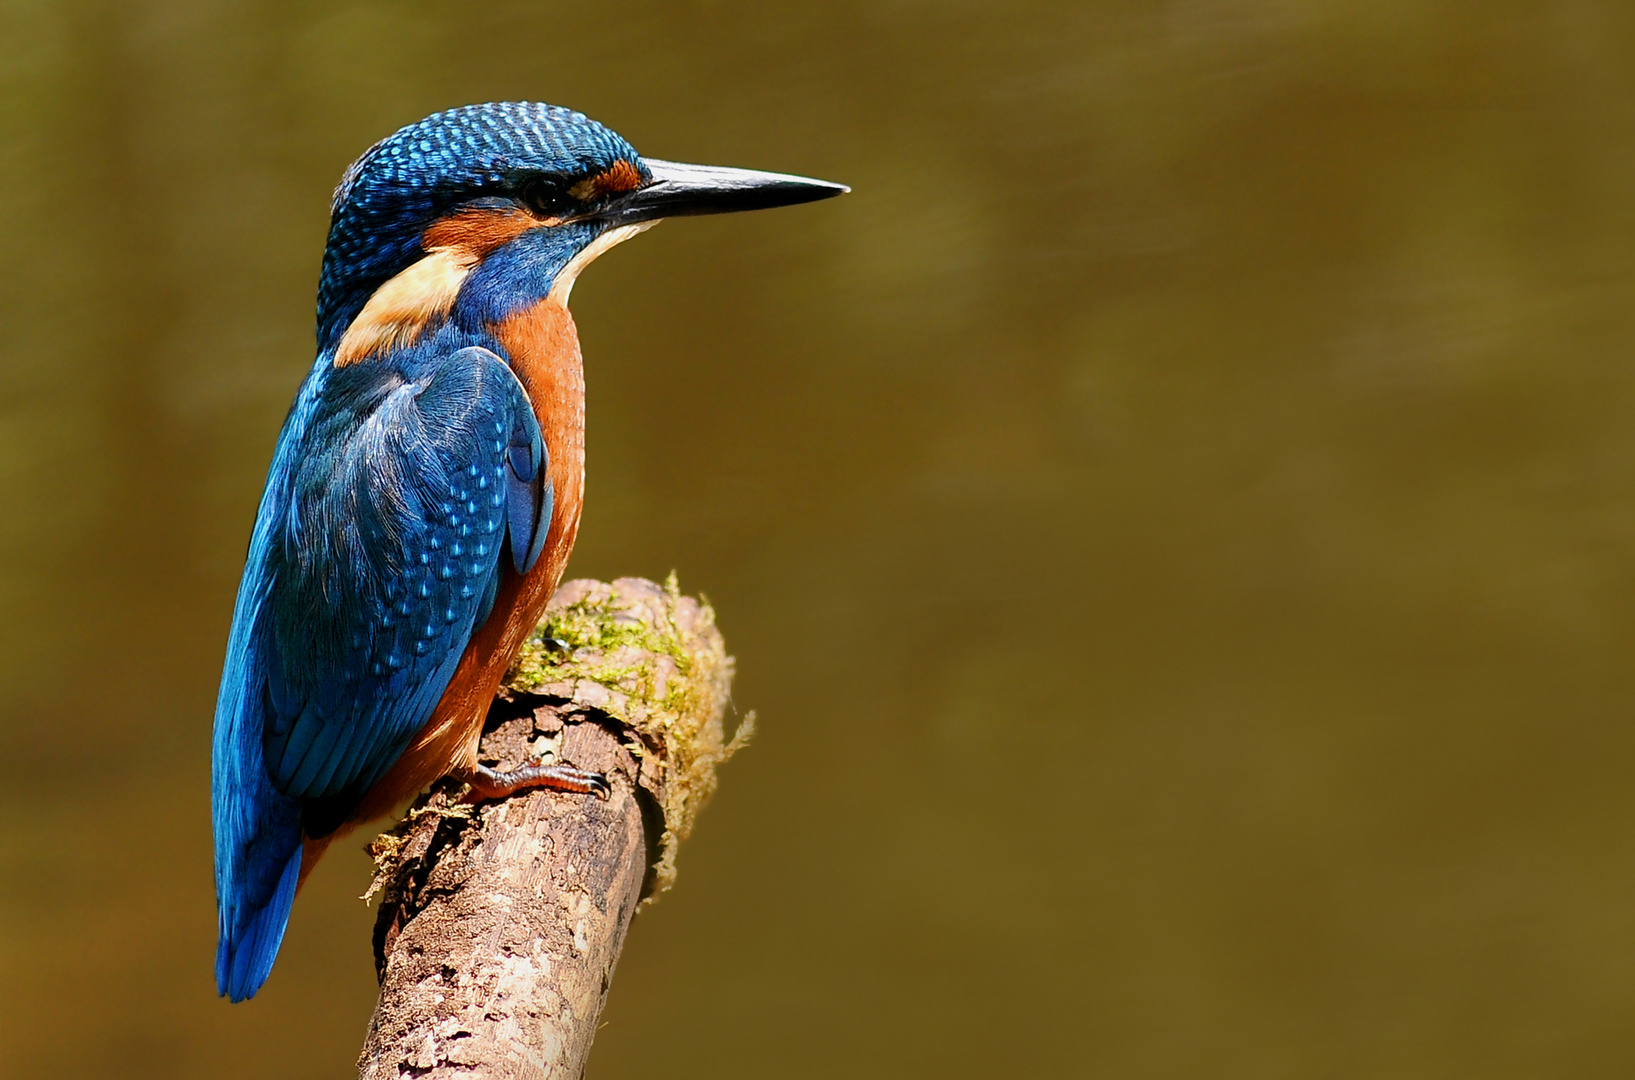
(487, 784)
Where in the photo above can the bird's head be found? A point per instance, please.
(503, 204)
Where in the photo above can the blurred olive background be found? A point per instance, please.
(1175, 520)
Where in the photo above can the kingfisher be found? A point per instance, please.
(426, 487)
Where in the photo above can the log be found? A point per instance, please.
(500, 923)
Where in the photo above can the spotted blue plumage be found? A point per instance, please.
(401, 489)
(382, 555)
(389, 556)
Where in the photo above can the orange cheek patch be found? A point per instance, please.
(478, 233)
(620, 176)
(400, 310)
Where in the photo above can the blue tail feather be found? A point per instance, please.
(244, 957)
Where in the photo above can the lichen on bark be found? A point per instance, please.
(652, 660)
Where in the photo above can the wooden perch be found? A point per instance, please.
(500, 923)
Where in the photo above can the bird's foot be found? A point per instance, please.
(488, 784)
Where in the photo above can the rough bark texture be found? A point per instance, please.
(500, 923)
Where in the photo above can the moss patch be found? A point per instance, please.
(653, 660)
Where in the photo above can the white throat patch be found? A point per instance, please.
(562, 286)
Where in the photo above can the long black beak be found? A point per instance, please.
(679, 190)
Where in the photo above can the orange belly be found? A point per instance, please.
(543, 349)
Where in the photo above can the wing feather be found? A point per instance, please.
(376, 554)
(391, 560)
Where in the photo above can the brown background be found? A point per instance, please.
(1175, 519)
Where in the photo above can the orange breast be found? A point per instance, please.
(543, 347)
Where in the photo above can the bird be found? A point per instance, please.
(426, 486)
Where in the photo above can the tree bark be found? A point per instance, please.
(500, 923)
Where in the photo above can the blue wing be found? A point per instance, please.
(397, 488)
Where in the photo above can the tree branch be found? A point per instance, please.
(500, 924)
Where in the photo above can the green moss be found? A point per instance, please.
(652, 659)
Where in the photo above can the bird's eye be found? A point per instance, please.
(547, 199)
